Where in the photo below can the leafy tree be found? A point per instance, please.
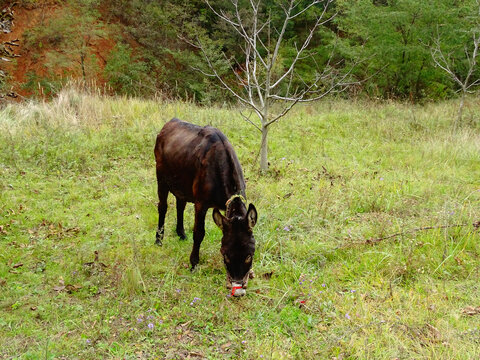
(125, 73)
(393, 35)
(158, 27)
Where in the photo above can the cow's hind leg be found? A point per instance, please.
(162, 210)
(198, 233)
(180, 208)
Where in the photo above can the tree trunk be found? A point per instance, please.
(264, 150)
(82, 62)
(460, 111)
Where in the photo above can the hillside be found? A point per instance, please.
(140, 48)
(31, 64)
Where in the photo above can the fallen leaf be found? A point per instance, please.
(433, 331)
(59, 288)
(471, 310)
(71, 288)
(186, 324)
(95, 262)
(226, 346)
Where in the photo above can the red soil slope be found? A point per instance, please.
(27, 18)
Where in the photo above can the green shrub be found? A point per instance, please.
(126, 73)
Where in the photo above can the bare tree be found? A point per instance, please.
(465, 80)
(259, 83)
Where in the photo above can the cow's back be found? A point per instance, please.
(198, 164)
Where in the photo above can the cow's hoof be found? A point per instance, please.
(158, 242)
(194, 260)
(182, 236)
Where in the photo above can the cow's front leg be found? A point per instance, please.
(162, 210)
(198, 233)
(180, 208)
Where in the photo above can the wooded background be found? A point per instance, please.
(143, 48)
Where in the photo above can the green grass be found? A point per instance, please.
(77, 176)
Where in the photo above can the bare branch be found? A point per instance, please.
(222, 15)
(262, 43)
(238, 26)
(247, 119)
(202, 71)
(341, 84)
(184, 39)
(318, 23)
(443, 62)
(440, 60)
(250, 38)
(224, 84)
(309, 6)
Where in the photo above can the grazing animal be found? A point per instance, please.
(198, 165)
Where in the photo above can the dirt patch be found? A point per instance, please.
(23, 20)
(28, 62)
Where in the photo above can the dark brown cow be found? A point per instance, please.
(198, 165)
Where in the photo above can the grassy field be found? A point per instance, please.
(77, 177)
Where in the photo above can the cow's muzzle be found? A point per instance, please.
(237, 286)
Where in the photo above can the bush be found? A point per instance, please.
(126, 74)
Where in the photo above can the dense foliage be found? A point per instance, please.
(390, 42)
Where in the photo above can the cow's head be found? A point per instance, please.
(238, 243)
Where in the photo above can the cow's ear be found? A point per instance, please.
(218, 218)
(251, 216)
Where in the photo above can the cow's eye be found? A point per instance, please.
(248, 259)
(227, 260)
